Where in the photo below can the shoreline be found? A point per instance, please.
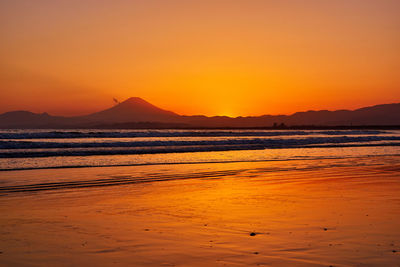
(200, 162)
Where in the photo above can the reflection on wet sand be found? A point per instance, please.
(303, 213)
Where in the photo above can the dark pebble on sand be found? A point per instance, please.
(252, 234)
(256, 252)
(394, 251)
(325, 229)
(147, 229)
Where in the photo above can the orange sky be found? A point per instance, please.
(212, 57)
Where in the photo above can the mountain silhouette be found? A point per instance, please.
(26, 119)
(138, 113)
(133, 109)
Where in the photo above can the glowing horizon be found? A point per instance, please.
(234, 58)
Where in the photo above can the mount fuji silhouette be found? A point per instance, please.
(133, 109)
(137, 113)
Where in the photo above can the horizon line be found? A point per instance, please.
(199, 115)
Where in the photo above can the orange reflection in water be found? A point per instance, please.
(302, 212)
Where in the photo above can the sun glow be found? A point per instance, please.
(202, 57)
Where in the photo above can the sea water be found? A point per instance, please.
(44, 149)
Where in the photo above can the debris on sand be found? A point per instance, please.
(252, 234)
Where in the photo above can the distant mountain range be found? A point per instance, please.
(136, 113)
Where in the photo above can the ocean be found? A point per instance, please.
(46, 149)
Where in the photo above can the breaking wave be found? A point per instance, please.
(32, 134)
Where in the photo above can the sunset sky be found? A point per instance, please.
(237, 57)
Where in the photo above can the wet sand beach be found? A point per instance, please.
(327, 212)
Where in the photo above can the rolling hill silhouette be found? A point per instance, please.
(138, 113)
